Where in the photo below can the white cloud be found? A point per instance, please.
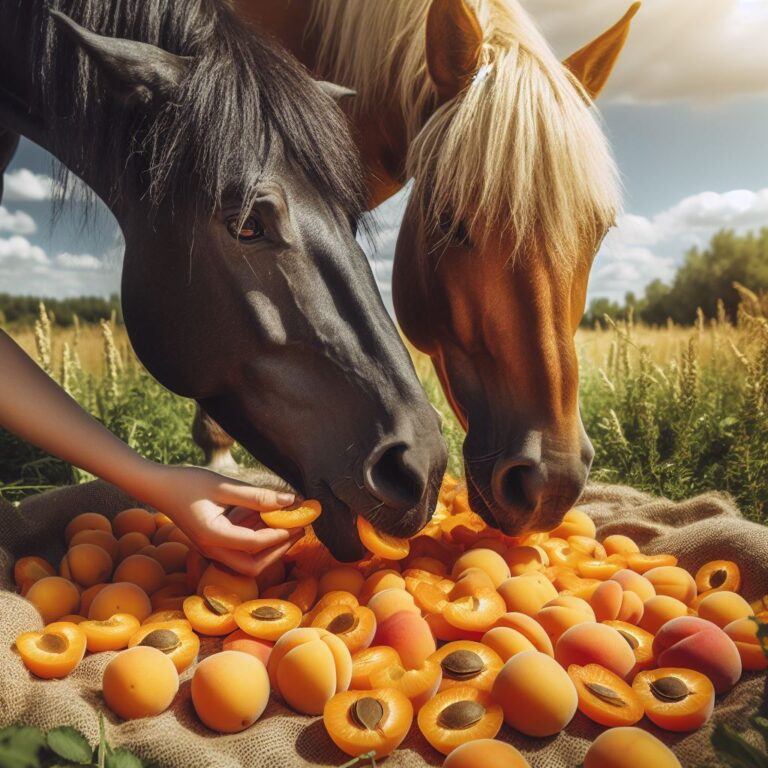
(18, 251)
(25, 185)
(640, 249)
(19, 223)
(78, 261)
(699, 51)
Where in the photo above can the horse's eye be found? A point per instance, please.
(251, 229)
(457, 231)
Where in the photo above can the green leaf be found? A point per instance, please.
(69, 743)
(122, 758)
(13, 758)
(736, 750)
(27, 739)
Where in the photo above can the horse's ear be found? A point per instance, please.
(593, 64)
(137, 71)
(454, 41)
(336, 92)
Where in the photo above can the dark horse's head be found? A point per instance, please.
(236, 186)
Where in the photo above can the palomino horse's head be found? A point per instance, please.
(514, 190)
(243, 285)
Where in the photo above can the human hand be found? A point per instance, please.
(201, 502)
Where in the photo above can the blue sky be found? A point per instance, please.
(686, 112)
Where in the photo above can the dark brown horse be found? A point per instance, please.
(232, 177)
(514, 188)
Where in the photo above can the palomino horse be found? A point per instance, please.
(232, 177)
(514, 189)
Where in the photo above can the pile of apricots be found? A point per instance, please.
(456, 631)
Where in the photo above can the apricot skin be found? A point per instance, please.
(139, 682)
(143, 571)
(230, 691)
(722, 608)
(121, 597)
(595, 644)
(536, 694)
(485, 753)
(409, 635)
(527, 594)
(135, 519)
(54, 597)
(674, 582)
(659, 610)
(86, 521)
(487, 560)
(629, 747)
(743, 632)
(693, 643)
(89, 564)
(507, 642)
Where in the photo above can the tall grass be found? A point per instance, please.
(674, 411)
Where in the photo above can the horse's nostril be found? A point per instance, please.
(517, 484)
(395, 477)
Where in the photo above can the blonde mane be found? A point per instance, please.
(520, 151)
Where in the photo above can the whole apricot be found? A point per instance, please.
(136, 519)
(230, 691)
(527, 594)
(487, 560)
(143, 571)
(86, 521)
(724, 607)
(674, 582)
(485, 753)
(54, 597)
(629, 747)
(599, 644)
(121, 597)
(89, 564)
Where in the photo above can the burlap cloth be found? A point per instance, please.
(704, 528)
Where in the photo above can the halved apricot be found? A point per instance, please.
(173, 638)
(597, 569)
(28, 570)
(430, 598)
(487, 560)
(419, 684)
(477, 612)
(604, 697)
(467, 663)
(53, 597)
(298, 515)
(140, 682)
(267, 619)
(368, 661)
(244, 587)
(629, 747)
(242, 641)
(159, 616)
(458, 715)
(443, 631)
(640, 641)
(360, 722)
(301, 592)
(213, 612)
(743, 632)
(471, 581)
(641, 563)
(525, 559)
(589, 546)
(355, 627)
(485, 753)
(720, 575)
(675, 699)
(121, 597)
(423, 563)
(335, 597)
(54, 652)
(86, 521)
(110, 635)
(171, 597)
(381, 543)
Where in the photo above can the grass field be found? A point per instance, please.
(675, 411)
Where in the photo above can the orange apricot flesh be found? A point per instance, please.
(173, 638)
(301, 592)
(641, 563)
(267, 619)
(629, 747)
(418, 685)
(140, 682)
(477, 612)
(604, 697)
(674, 698)
(110, 635)
(230, 691)
(459, 715)
(718, 574)
(355, 627)
(361, 722)
(213, 612)
(467, 664)
(368, 661)
(27, 570)
(298, 515)
(382, 544)
(54, 652)
(640, 641)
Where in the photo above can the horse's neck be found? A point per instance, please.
(380, 135)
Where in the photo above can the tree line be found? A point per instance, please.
(705, 277)
(24, 310)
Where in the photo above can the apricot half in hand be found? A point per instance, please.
(112, 634)
(381, 544)
(140, 682)
(604, 697)
(54, 652)
(361, 722)
(173, 638)
(298, 515)
(230, 691)
(675, 699)
(267, 619)
(459, 715)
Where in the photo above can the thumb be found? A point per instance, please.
(244, 495)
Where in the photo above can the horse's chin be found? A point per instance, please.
(337, 529)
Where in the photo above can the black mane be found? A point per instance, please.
(241, 94)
